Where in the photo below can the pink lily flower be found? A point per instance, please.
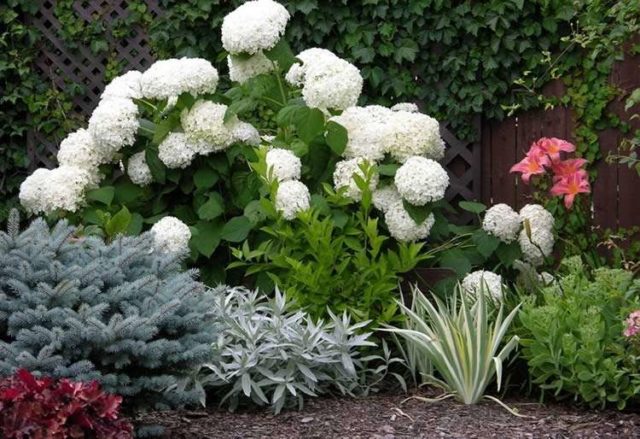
(552, 146)
(570, 186)
(565, 168)
(533, 164)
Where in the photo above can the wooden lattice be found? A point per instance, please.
(463, 160)
(60, 65)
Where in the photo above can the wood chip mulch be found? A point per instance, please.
(387, 417)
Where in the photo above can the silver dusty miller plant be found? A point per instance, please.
(272, 356)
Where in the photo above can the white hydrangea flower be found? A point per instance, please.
(48, 190)
(124, 86)
(366, 128)
(254, 26)
(175, 151)
(402, 227)
(242, 69)
(172, 77)
(170, 235)
(413, 134)
(539, 246)
(385, 197)
(343, 177)
(481, 280)
(283, 164)
(245, 132)
(537, 215)
(138, 170)
(409, 107)
(113, 126)
(540, 223)
(205, 127)
(78, 149)
(327, 81)
(502, 222)
(292, 197)
(421, 181)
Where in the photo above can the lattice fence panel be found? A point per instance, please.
(61, 65)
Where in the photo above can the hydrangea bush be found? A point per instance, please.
(169, 142)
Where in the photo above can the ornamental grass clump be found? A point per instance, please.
(123, 313)
(462, 341)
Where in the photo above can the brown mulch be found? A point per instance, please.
(386, 417)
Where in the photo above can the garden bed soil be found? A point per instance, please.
(387, 417)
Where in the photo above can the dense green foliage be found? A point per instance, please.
(121, 313)
(572, 336)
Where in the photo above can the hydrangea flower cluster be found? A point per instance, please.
(478, 281)
(420, 181)
(536, 237)
(292, 197)
(114, 125)
(171, 235)
(327, 81)
(284, 164)
(502, 222)
(343, 177)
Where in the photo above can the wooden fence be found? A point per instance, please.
(616, 189)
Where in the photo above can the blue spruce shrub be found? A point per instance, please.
(121, 313)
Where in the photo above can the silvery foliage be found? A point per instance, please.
(273, 356)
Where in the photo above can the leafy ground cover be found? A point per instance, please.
(386, 417)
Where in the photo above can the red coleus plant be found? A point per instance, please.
(568, 176)
(44, 408)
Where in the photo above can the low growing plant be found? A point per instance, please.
(40, 408)
(269, 355)
(122, 313)
(573, 336)
(462, 339)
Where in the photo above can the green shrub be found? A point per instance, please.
(572, 336)
(72, 306)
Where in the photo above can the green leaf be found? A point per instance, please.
(135, 225)
(472, 206)
(237, 229)
(103, 195)
(418, 213)
(164, 127)
(255, 212)
(206, 237)
(508, 253)
(336, 137)
(311, 126)
(282, 54)
(205, 177)
(457, 261)
(388, 169)
(485, 243)
(157, 168)
(212, 208)
(119, 223)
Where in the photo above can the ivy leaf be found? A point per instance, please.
(237, 229)
(485, 243)
(212, 208)
(336, 137)
(418, 213)
(103, 195)
(472, 206)
(206, 237)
